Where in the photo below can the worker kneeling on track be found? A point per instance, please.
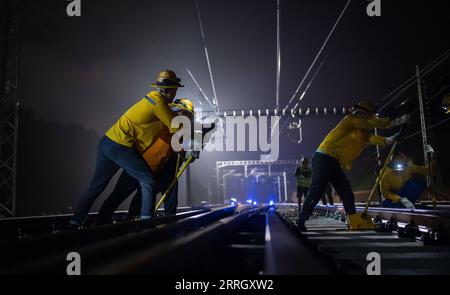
(398, 188)
(163, 162)
(124, 142)
(338, 150)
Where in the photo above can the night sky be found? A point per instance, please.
(79, 74)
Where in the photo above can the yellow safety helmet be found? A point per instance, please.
(180, 104)
(167, 79)
(446, 103)
(365, 106)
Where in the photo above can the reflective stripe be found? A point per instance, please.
(150, 100)
(322, 152)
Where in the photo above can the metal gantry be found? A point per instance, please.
(9, 52)
(235, 170)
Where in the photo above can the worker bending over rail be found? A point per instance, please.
(338, 150)
(163, 163)
(124, 142)
(398, 188)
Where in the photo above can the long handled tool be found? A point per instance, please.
(189, 160)
(172, 184)
(378, 180)
(432, 188)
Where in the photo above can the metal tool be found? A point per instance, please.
(383, 169)
(172, 184)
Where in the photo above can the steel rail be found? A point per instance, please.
(98, 251)
(160, 257)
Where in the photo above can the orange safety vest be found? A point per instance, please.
(159, 152)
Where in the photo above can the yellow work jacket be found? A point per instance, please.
(141, 123)
(393, 181)
(347, 140)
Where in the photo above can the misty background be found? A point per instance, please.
(79, 74)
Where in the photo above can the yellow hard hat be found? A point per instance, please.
(167, 79)
(446, 103)
(182, 104)
(365, 106)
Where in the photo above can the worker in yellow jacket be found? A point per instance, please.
(398, 188)
(124, 142)
(338, 150)
(162, 161)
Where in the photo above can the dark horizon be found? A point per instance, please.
(79, 74)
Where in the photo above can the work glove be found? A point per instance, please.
(208, 129)
(405, 119)
(429, 149)
(194, 154)
(407, 203)
(391, 139)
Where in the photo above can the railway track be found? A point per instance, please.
(248, 240)
(407, 241)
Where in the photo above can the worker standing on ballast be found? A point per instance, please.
(337, 151)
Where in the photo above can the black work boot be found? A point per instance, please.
(301, 222)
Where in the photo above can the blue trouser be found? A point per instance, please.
(110, 157)
(126, 185)
(325, 170)
(412, 190)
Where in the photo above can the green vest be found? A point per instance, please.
(303, 176)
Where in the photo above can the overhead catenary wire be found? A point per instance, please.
(310, 82)
(201, 89)
(412, 81)
(317, 56)
(305, 91)
(205, 48)
(311, 67)
(428, 128)
(278, 56)
(413, 77)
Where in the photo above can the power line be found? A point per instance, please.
(317, 56)
(200, 89)
(278, 56)
(310, 82)
(215, 102)
(430, 127)
(431, 66)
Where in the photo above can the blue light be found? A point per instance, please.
(233, 200)
(249, 201)
(254, 203)
(233, 203)
(271, 203)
